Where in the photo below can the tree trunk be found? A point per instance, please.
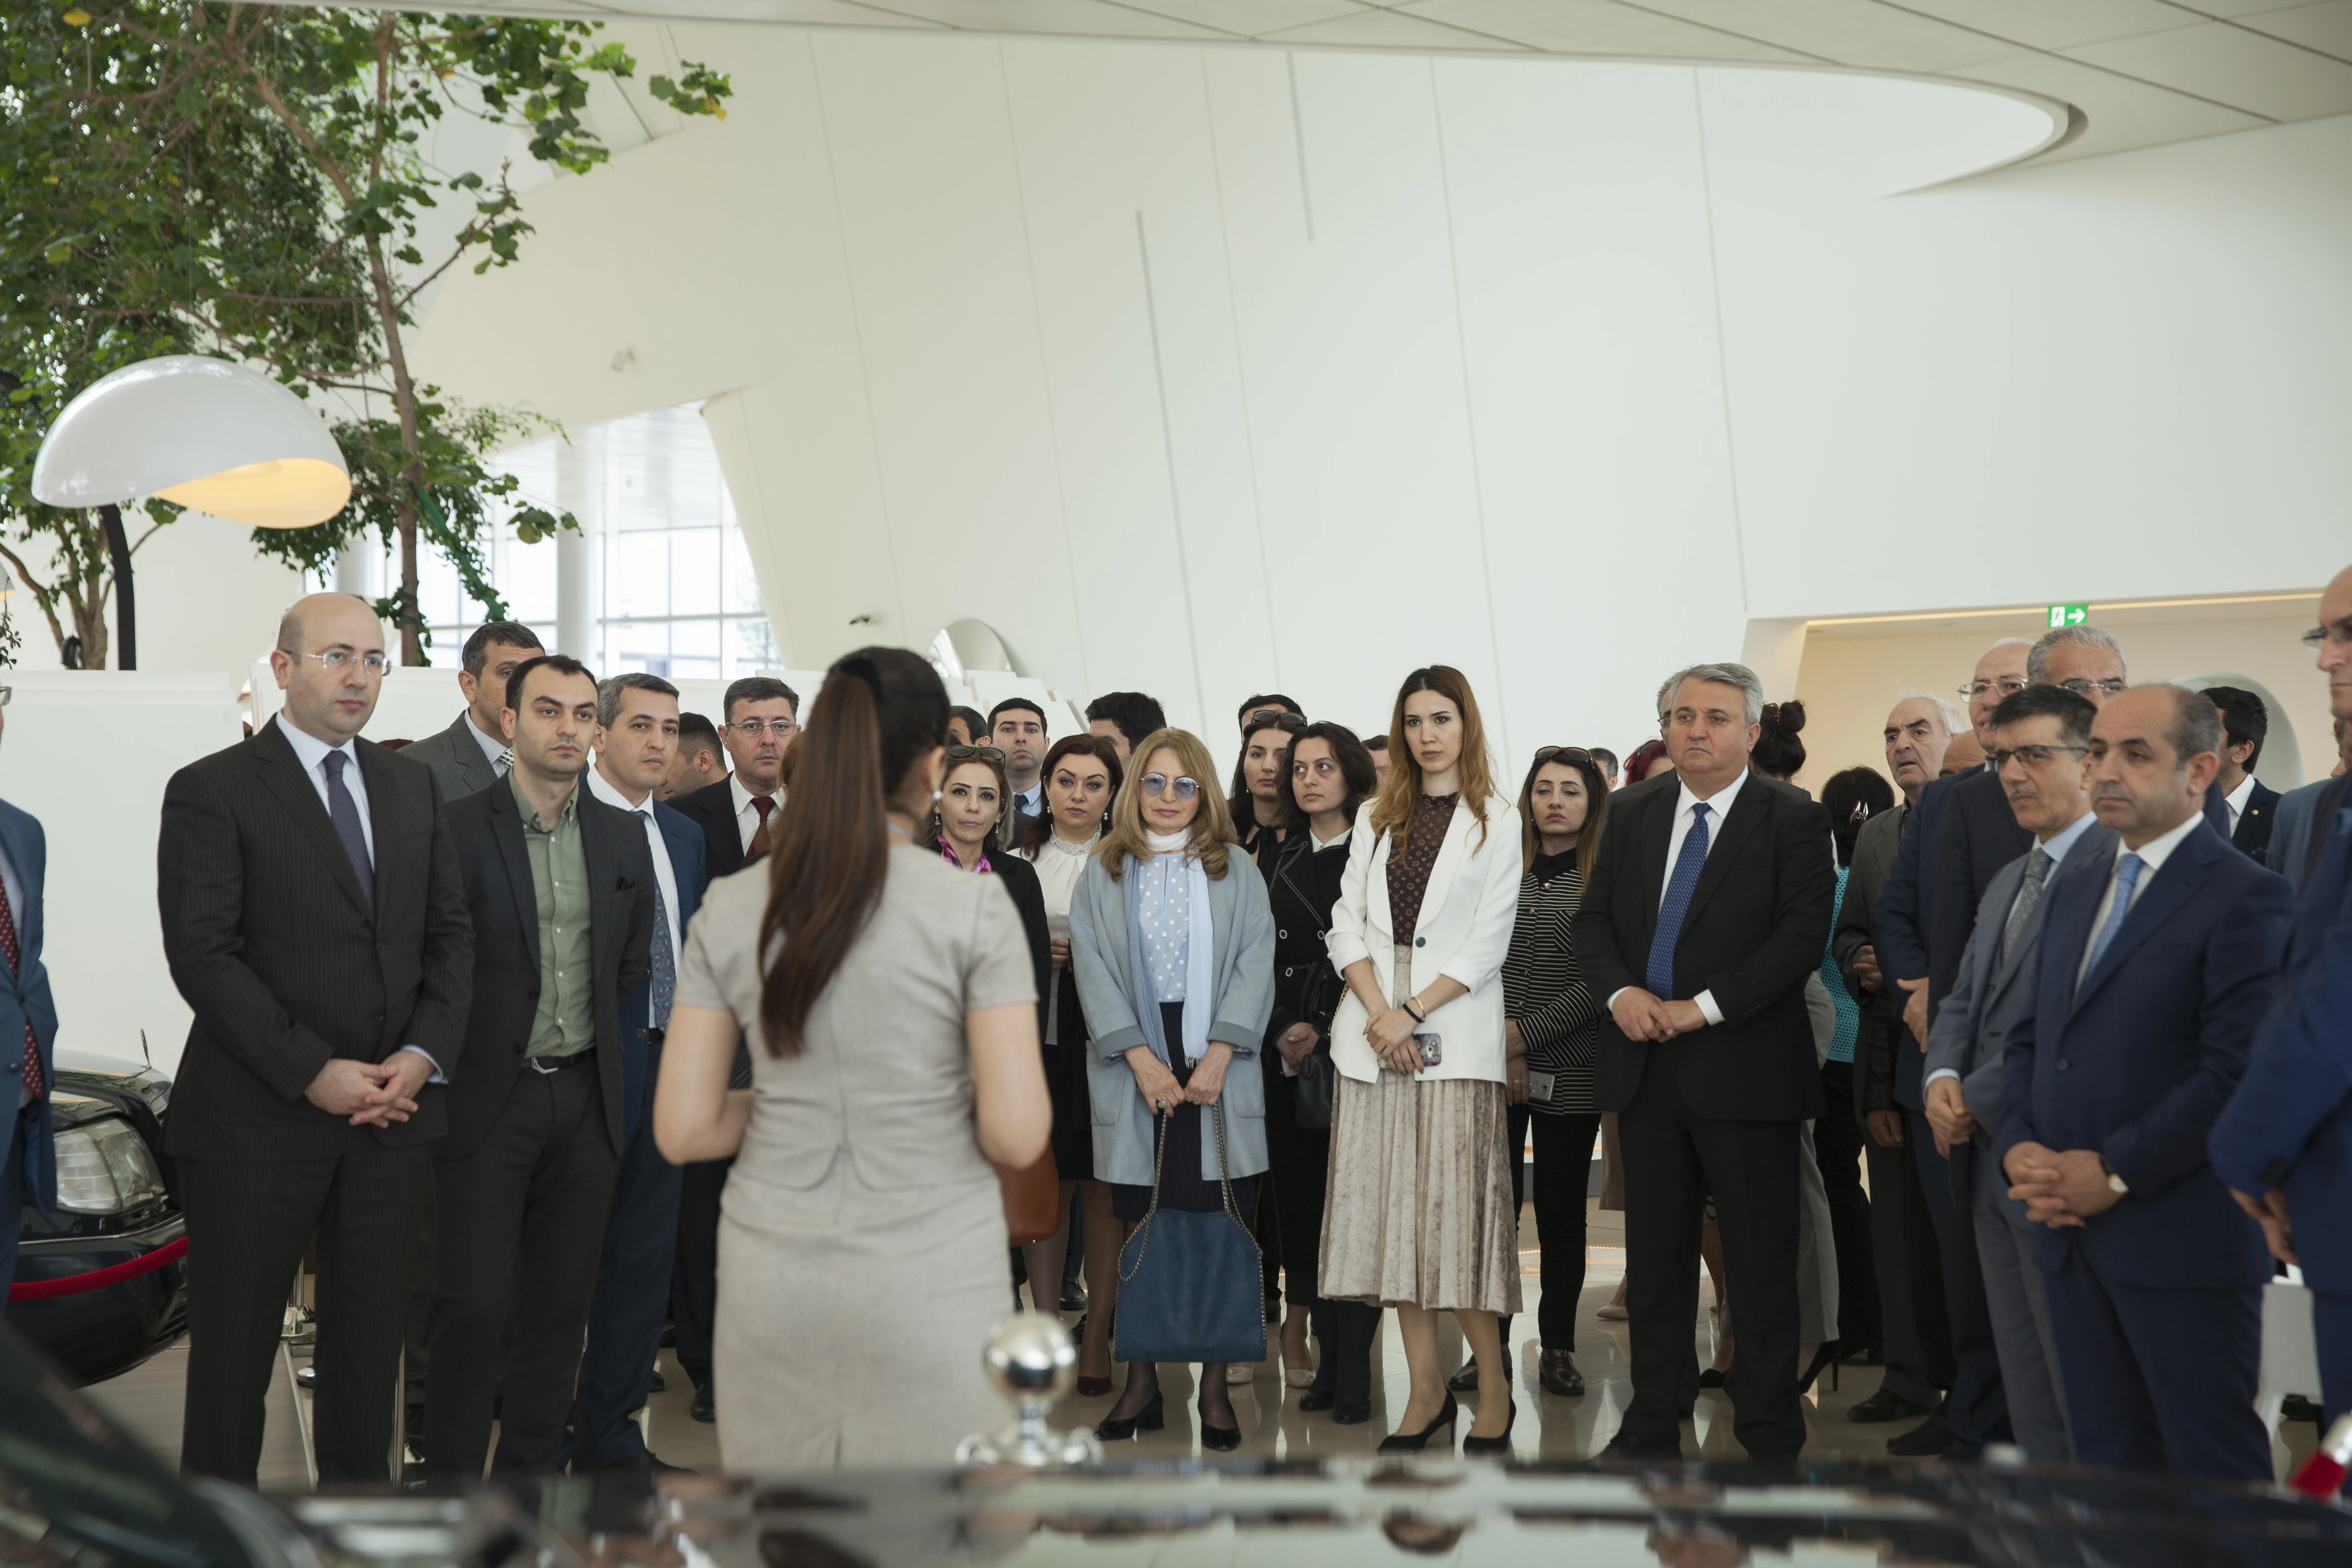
(89, 624)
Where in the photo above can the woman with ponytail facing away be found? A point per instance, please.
(892, 1014)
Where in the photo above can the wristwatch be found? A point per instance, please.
(2114, 1183)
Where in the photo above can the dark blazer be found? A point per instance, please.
(1301, 889)
(455, 759)
(2139, 1059)
(712, 809)
(1019, 880)
(687, 866)
(1899, 926)
(2300, 826)
(1873, 1047)
(283, 963)
(1980, 837)
(2254, 824)
(2290, 1123)
(1757, 924)
(486, 829)
(24, 1000)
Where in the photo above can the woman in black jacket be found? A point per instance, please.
(1331, 773)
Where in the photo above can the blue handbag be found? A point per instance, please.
(1189, 1284)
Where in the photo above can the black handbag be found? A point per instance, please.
(1317, 1081)
(1190, 1287)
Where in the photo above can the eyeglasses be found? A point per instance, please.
(1562, 755)
(2009, 687)
(1276, 719)
(750, 729)
(334, 661)
(965, 754)
(1156, 784)
(2032, 756)
(2081, 687)
(2337, 636)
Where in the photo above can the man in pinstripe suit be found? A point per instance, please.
(315, 922)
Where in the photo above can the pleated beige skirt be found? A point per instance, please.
(1417, 1198)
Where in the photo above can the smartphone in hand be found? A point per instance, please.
(1432, 1047)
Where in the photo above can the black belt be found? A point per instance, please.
(539, 1064)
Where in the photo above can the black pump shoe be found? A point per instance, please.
(1826, 1356)
(1223, 1439)
(1151, 1418)
(1414, 1442)
(1474, 1444)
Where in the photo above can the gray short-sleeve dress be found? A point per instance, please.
(861, 1248)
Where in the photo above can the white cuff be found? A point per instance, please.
(1706, 1000)
(421, 1051)
(1939, 1072)
(1612, 1003)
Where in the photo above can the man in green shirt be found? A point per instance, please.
(562, 890)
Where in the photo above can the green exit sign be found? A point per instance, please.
(2069, 614)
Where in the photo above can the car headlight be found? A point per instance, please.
(103, 1167)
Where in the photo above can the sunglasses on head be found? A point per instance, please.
(965, 754)
(1157, 783)
(1274, 718)
(1562, 755)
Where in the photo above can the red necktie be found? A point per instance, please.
(764, 804)
(34, 1083)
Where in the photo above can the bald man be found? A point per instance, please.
(316, 924)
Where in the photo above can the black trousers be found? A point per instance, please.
(632, 1296)
(1914, 1332)
(694, 1282)
(1838, 1139)
(1674, 1160)
(1976, 1409)
(247, 1225)
(1556, 1185)
(522, 1230)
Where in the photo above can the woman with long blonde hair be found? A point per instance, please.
(1419, 1214)
(1174, 956)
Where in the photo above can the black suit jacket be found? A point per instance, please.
(488, 831)
(1019, 881)
(712, 809)
(2254, 823)
(1980, 836)
(1758, 926)
(286, 966)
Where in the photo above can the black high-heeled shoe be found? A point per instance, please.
(1414, 1442)
(1151, 1418)
(1475, 1444)
(1223, 1439)
(1824, 1356)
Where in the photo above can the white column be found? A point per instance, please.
(579, 490)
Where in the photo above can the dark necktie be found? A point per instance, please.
(1680, 886)
(764, 804)
(2037, 871)
(345, 811)
(665, 960)
(34, 1082)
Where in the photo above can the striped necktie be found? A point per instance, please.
(1680, 886)
(2037, 871)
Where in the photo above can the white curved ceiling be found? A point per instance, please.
(2137, 72)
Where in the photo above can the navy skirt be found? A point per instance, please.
(1181, 1184)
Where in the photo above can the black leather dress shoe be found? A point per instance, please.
(1464, 1381)
(1073, 1296)
(658, 1383)
(705, 1403)
(1626, 1445)
(1557, 1371)
(1930, 1437)
(1315, 1399)
(1887, 1406)
(647, 1459)
(1349, 1413)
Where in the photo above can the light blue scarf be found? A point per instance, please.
(1200, 961)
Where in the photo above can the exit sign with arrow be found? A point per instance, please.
(2069, 614)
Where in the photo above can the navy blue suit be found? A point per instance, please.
(2155, 1304)
(625, 1318)
(2289, 1126)
(28, 1159)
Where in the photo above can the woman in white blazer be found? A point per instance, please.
(1419, 1211)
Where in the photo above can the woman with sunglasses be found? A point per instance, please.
(1081, 777)
(1551, 1036)
(1174, 953)
(1331, 774)
(1420, 1210)
(1260, 804)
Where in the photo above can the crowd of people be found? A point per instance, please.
(589, 1016)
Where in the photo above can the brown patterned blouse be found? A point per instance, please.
(1409, 871)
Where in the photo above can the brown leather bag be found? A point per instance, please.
(1032, 1199)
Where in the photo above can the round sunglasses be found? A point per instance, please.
(1157, 783)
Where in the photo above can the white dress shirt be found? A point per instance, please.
(665, 874)
(492, 747)
(747, 816)
(1718, 808)
(2155, 853)
(313, 752)
(2058, 846)
(2236, 801)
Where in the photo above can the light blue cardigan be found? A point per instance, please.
(1101, 914)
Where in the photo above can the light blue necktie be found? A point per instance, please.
(2127, 870)
(1680, 886)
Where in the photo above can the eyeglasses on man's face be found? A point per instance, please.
(2337, 636)
(2033, 756)
(2082, 687)
(335, 661)
(1159, 784)
(2009, 686)
(750, 729)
